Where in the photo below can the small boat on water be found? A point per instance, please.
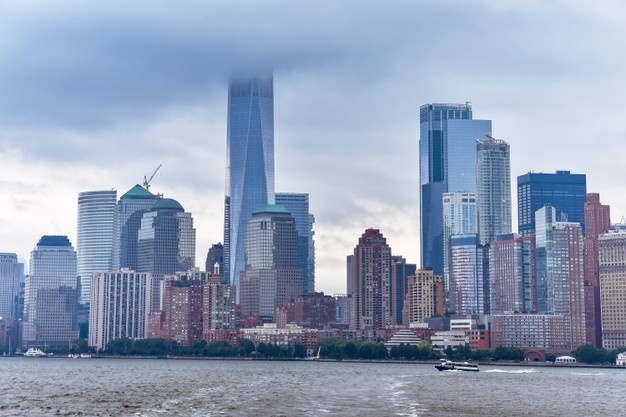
(35, 353)
(448, 365)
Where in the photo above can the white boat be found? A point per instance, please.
(447, 365)
(35, 353)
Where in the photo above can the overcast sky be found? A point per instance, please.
(95, 96)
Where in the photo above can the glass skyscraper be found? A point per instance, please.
(565, 192)
(298, 206)
(448, 137)
(249, 164)
(94, 246)
(11, 275)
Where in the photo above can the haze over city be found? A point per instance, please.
(97, 96)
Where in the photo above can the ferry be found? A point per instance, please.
(35, 353)
(447, 365)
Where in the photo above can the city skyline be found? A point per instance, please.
(344, 103)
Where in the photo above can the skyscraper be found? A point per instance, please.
(11, 275)
(467, 287)
(215, 255)
(597, 221)
(94, 246)
(166, 242)
(372, 308)
(249, 164)
(271, 276)
(459, 218)
(564, 191)
(298, 206)
(421, 297)
(447, 146)
(493, 188)
(612, 259)
(127, 220)
(50, 294)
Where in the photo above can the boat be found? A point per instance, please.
(448, 365)
(35, 353)
(316, 357)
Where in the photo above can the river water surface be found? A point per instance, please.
(153, 387)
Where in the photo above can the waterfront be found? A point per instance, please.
(152, 387)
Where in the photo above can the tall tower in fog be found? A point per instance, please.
(249, 164)
(447, 144)
(94, 246)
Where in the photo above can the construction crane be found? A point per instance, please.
(146, 180)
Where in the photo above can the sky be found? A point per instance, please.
(95, 95)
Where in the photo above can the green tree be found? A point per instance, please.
(245, 347)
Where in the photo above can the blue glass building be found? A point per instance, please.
(298, 206)
(448, 137)
(249, 164)
(565, 192)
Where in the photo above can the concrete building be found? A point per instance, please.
(50, 312)
(270, 333)
(612, 263)
(271, 276)
(531, 331)
(219, 298)
(513, 274)
(372, 284)
(314, 310)
(424, 290)
(119, 306)
(597, 221)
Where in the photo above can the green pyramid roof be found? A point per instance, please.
(138, 192)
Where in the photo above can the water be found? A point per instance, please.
(150, 388)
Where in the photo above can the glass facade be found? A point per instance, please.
(565, 192)
(298, 206)
(467, 294)
(447, 146)
(249, 164)
(94, 246)
(11, 275)
(459, 218)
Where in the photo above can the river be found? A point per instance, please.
(157, 387)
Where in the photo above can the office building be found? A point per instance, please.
(166, 242)
(94, 245)
(372, 284)
(493, 188)
(11, 275)
(400, 272)
(447, 150)
(249, 164)
(562, 190)
(298, 206)
(119, 306)
(50, 294)
(271, 276)
(513, 274)
(126, 223)
(597, 221)
(215, 255)
(459, 218)
(612, 269)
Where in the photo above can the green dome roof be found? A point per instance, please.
(167, 204)
(138, 192)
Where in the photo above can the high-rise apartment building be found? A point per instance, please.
(560, 272)
(513, 274)
(612, 261)
(272, 275)
(597, 221)
(372, 308)
(459, 218)
(448, 135)
(493, 188)
(249, 164)
(166, 242)
(218, 304)
(50, 294)
(94, 246)
(126, 223)
(422, 296)
(182, 309)
(11, 275)
(119, 306)
(562, 190)
(400, 272)
(298, 206)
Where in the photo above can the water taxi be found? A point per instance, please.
(448, 365)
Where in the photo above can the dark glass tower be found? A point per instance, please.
(565, 192)
(448, 137)
(249, 164)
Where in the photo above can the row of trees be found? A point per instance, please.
(590, 354)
